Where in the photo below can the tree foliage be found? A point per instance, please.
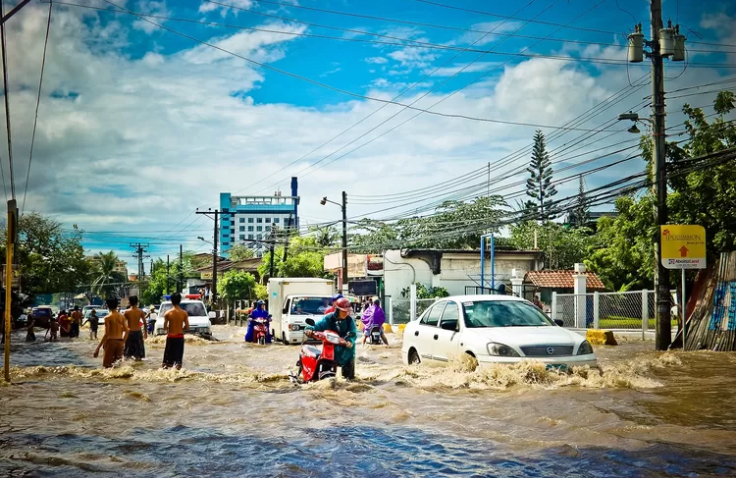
(239, 252)
(326, 236)
(562, 247)
(539, 185)
(426, 291)
(236, 284)
(305, 258)
(581, 214)
(106, 280)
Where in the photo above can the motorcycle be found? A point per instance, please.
(315, 364)
(260, 329)
(375, 335)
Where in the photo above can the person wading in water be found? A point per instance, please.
(176, 321)
(134, 347)
(116, 330)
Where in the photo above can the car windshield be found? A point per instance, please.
(42, 312)
(310, 305)
(503, 313)
(193, 309)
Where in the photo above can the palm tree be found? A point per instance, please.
(105, 275)
(326, 236)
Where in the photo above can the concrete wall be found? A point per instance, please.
(458, 270)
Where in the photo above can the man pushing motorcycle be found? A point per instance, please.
(340, 322)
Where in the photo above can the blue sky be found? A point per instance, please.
(139, 126)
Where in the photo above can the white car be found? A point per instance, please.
(493, 329)
(199, 319)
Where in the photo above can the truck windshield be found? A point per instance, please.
(193, 309)
(310, 305)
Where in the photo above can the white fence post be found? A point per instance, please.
(596, 311)
(553, 307)
(644, 313)
(390, 307)
(413, 302)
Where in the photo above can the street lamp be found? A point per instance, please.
(343, 206)
(204, 240)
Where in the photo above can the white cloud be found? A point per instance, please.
(376, 60)
(138, 143)
(206, 7)
(490, 33)
(411, 57)
(465, 67)
(150, 8)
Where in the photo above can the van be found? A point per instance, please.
(291, 301)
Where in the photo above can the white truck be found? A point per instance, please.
(291, 301)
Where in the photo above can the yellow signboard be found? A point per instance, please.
(683, 247)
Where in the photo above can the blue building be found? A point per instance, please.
(254, 219)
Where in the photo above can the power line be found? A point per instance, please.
(35, 118)
(7, 100)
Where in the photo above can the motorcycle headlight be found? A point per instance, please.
(585, 348)
(501, 350)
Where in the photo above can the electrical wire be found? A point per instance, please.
(35, 117)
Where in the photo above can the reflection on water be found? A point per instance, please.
(233, 412)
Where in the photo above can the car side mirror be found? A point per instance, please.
(309, 321)
(212, 314)
(559, 322)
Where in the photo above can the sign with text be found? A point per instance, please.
(683, 247)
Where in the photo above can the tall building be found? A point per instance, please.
(253, 219)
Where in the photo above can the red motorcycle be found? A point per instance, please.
(315, 364)
(260, 331)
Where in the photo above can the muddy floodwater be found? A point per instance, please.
(232, 412)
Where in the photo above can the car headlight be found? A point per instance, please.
(294, 327)
(501, 350)
(585, 348)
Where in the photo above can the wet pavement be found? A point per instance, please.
(232, 412)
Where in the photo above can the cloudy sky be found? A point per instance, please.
(141, 122)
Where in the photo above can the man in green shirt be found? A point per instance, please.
(340, 322)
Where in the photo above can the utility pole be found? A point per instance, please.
(270, 270)
(215, 253)
(140, 249)
(662, 277)
(181, 269)
(167, 274)
(11, 239)
(344, 241)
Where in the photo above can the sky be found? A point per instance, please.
(144, 119)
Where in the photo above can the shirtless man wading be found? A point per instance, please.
(176, 321)
(134, 347)
(116, 330)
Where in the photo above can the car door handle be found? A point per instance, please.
(435, 336)
(416, 333)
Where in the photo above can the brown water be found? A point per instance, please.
(233, 412)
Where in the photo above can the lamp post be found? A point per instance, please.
(344, 208)
(483, 262)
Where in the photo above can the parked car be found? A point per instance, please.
(493, 329)
(41, 316)
(199, 319)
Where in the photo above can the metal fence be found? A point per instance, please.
(632, 310)
(399, 310)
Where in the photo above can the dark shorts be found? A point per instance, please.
(134, 345)
(174, 352)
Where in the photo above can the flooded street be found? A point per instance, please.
(232, 412)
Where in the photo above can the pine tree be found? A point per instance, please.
(539, 184)
(581, 213)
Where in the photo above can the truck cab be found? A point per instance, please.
(294, 300)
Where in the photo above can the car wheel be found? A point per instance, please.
(469, 362)
(283, 338)
(414, 357)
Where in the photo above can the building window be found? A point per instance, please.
(242, 228)
(268, 228)
(260, 236)
(259, 220)
(242, 220)
(226, 236)
(242, 237)
(250, 236)
(250, 228)
(268, 220)
(276, 220)
(250, 220)
(259, 228)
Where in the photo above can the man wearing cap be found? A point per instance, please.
(331, 309)
(340, 322)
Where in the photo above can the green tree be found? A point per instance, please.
(326, 236)
(581, 213)
(156, 287)
(261, 292)
(539, 185)
(106, 279)
(239, 252)
(562, 247)
(375, 237)
(305, 259)
(236, 285)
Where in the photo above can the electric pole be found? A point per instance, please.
(181, 269)
(167, 274)
(140, 249)
(344, 241)
(215, 253)
(662, 276)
